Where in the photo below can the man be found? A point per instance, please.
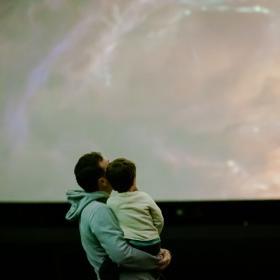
(100, 233)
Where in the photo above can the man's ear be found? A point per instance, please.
(104, 185)
(101, 181)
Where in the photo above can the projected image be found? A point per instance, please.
(188, 90)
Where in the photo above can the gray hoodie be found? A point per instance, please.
(101, 235)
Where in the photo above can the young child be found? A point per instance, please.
(139, 216)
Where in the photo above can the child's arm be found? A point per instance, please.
(157, 217)
(156, 214)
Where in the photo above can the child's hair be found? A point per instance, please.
(121, 173)
(88, 170)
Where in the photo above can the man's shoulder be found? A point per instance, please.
(96, 208)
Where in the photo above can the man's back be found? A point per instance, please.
(102, 236)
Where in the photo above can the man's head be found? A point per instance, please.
(90, 173)
(121, 174)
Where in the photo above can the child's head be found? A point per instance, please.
(121, 173)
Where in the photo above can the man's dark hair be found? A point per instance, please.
(121, 173)
(87, 171)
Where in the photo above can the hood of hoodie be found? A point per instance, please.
(79, 199)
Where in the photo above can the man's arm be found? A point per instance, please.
(108, 232)
(165, 259)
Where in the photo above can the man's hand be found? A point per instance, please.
(164, 258)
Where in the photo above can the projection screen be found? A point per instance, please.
(189, 90)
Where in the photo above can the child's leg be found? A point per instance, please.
(153, 250)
